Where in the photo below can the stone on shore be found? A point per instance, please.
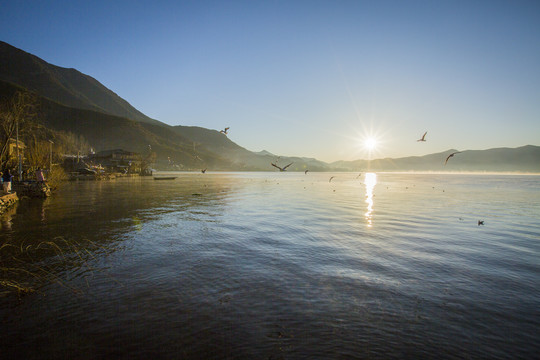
(32, 189)
(7, 201)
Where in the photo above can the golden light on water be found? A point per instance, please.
(370, 180)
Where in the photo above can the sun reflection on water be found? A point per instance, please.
(370, 180)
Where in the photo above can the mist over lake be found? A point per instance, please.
(282, 266)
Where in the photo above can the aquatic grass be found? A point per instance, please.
(27, 266)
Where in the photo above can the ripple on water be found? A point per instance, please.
(272, 265)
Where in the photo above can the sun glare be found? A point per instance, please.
(370, 144)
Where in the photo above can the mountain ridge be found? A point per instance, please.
(78, 103)
(65, 86)
(522, 159)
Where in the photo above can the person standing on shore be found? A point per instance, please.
(7, 178)
(39, 175)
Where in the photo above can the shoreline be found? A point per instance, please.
(7, 201)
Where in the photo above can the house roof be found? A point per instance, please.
(106, 153)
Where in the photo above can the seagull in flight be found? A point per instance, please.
(451, 155)
(224, 131)
(423, 138)
(281, 168)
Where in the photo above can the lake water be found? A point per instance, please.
(279, 266)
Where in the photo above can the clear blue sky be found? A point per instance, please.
(307, 78)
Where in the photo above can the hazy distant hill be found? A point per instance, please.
(522, 159)
(244, 159)
(65, 86)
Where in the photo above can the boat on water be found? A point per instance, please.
(165, 177)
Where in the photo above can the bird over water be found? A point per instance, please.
(281, 168)
(451, 155)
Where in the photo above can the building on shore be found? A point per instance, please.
(117, 160)
(15, 148)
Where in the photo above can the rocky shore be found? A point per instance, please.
(32, 189)
(7, 201)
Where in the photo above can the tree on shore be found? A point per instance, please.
(70, 143)
(18, 112)
(38, 155)
(147, 161)
(22, 111)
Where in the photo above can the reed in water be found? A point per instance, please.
(28, 265)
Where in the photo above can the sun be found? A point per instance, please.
(370, 144)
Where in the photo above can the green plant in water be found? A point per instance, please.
(25, 267)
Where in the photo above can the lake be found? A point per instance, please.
(277, 266)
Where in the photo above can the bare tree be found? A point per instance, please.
(71, 143)
(147, 161)
(16, 112)
(37, 154)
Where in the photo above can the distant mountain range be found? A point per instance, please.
(72, 101)
(521, 159)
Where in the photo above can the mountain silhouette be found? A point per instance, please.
(65, 86)
(75, 102)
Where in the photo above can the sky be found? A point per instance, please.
(307, 78)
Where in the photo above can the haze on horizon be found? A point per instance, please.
(308, 78)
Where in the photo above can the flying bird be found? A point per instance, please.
(203, 171)
(423, 138)
(331, 178)
(281, 168)
(480, 222)
(224, 131)
(451, 155)
(305, 172)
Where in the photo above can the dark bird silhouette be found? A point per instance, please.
(224, 131)
(331, 178)
(281, 168)
(480, 222)
(305, 172)
(423, 138)
(203, 171)
(451, 155)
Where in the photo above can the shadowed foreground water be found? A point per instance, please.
(283, 266)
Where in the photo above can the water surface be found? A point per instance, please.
(282, 265)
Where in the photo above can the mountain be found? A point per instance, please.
(65, 86)
(244, 159)
(74, 102)
(264, 152)
(521, 159)
(104, 131)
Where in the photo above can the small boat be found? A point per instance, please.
(165, 177)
